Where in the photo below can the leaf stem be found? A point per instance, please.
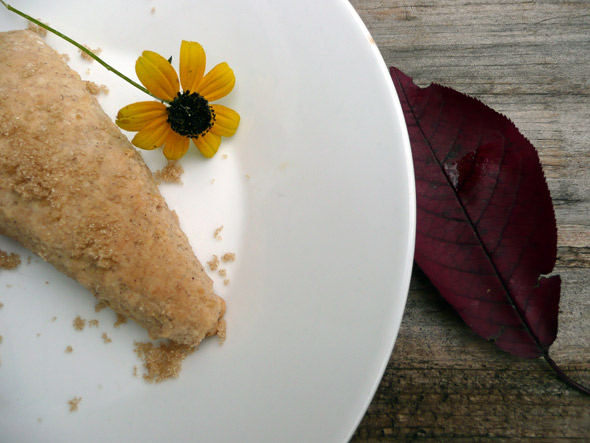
(81, 48)
(564, 376)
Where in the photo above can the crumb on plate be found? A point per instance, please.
(171, 173)
(9, 261)
(37, 29)
(74, 402)
(228, 257)
(163, 361)
(85, 56)
(213, 263)
(106, 338)
(79, 323)
(95, 89)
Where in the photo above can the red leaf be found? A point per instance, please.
(486, 231)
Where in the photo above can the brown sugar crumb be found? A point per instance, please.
(93, 323)
(54, 318)
(106, 338)
(92, 87)
(228, 257)
(221, 330)
(65, 57)
(0, 339)
(74, 402)
(37, 29)
(216, 234)
(225, 156)
(164, 361)
(135, 373)
(171, 173)
(85, 56)
(213, 263)
(95, 89)
(79, 323)
(153, 11)
(69, 350)
(226, 282)
(121, 320)
(9, 261)
(222, 272)
(101, 305)
(1, 305)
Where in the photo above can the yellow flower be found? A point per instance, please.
(183, 115)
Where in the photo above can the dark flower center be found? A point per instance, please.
(190, 115)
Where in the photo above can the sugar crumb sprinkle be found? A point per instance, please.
(37, 29)
(74, 402)
(163, 361)
(171, 173)
(9, 261)
(79, 323)
(213, 263)
(228, 257)
(85, 56)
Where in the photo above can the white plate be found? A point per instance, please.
(316, 197)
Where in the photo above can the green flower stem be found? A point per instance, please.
(81, 48)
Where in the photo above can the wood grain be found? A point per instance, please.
(529, 60)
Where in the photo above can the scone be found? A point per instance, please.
(75, 192)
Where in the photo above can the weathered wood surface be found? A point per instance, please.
(529, 60)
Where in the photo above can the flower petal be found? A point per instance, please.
(135, 116)
(226, 121)
(157, 75)
(218, 82)
(192, 65)
(176, 146)
(153, 135)
(208, 144)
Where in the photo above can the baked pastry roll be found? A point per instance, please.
(75, 192)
